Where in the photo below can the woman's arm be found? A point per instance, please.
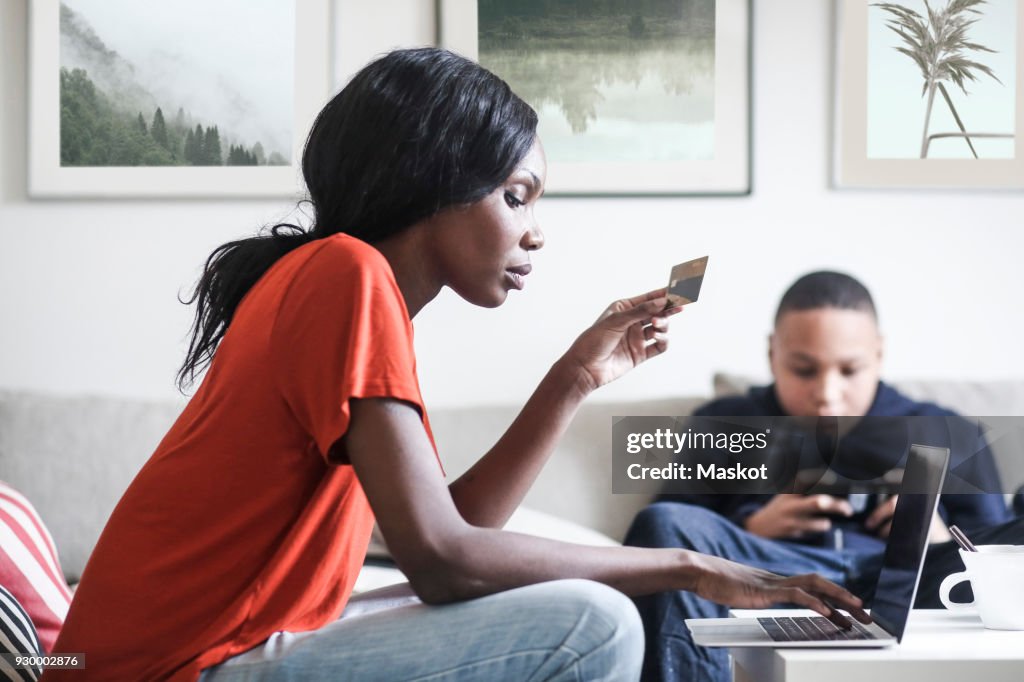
(626, 334)
(447, 559)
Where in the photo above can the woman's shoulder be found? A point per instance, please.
(322, 274)
(340, 275)
(342, 258)
(346, 248)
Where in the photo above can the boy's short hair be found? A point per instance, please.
(826, 289)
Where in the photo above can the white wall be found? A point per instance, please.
(87, 288)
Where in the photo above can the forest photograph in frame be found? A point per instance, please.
(191, 98)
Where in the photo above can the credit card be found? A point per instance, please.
(685, 281)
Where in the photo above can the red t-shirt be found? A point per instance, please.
(245, 521)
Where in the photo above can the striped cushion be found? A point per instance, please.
(17, 636)
(29, 567)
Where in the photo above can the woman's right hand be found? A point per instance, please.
(628, 332)
(740, 586)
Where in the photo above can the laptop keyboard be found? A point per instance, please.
(810, 629)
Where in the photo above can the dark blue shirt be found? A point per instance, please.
(970, 457)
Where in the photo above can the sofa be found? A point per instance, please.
(73, 456)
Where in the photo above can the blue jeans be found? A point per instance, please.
(562, 630)
(671, 653)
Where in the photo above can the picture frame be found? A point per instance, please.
(278, 173)
(886, 135)
(705, 157)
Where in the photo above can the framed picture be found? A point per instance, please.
(633, 98)
(930, 94)
(199, 98)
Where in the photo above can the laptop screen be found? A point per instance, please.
(908, 538)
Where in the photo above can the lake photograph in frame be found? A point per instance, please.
(174, 84)
(971, 44)
(611, 80)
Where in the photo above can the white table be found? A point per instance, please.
(938, 646)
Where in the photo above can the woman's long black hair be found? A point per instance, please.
(414, 132)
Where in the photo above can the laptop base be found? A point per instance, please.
(746, 632)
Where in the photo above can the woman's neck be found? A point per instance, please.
(408, 256)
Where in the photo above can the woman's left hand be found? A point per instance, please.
(626, 334)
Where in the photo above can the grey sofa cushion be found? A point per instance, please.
(576, 484)
(73, 457)
(969, 398)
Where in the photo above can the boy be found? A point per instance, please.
(825, 355)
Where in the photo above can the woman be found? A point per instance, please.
(246, 529)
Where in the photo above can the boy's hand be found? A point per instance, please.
(791, 516)
(880, 522)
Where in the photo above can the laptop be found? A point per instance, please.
(897, 582)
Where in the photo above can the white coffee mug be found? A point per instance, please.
(996, 573)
